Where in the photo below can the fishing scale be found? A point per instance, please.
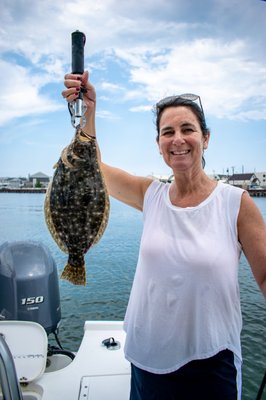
(77, 108)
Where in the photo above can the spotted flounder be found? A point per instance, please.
(77, 205)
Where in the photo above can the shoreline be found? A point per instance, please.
(23, 190)
(252, 192)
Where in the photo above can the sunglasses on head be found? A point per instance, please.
(172, 100)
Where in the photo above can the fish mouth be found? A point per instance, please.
(180, 153)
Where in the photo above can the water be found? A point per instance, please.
(110, 270)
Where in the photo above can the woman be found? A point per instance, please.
(183, 320)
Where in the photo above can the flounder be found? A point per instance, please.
(77, 205)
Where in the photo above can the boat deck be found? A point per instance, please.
(96, 373)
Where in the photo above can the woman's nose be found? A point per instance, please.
(178, 138)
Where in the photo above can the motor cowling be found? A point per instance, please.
(29, 289)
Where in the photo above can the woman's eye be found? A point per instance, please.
(167, 133)
(188, 130)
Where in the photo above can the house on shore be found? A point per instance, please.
(244, 181)
(38, 179)
(262, 178)
(12, 183)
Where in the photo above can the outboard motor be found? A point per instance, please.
(29, 289)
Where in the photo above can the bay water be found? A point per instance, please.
(110, 271)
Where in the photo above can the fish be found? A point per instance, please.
(77, 205)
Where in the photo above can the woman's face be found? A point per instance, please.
(181, 141)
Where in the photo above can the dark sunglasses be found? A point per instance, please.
(172, 100)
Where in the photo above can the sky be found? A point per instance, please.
(136, 53)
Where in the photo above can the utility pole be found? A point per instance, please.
(233, 173)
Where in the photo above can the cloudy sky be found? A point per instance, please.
(136, 53)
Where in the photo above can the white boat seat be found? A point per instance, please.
(28, 343)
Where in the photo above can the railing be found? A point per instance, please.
(8, 377)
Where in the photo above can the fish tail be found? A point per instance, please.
(75, 275)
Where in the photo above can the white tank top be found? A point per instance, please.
(184, 304)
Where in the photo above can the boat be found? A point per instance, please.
(97, 372)
(31, 369)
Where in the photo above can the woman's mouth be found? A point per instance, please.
(179, 153)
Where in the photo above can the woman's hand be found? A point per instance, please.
(76, 83)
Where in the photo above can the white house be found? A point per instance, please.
(39, 177)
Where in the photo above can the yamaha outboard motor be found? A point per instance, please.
(29, 289)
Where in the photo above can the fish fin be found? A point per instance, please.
(64, 158)
(75, 275)
(49, 220)
(105, 216)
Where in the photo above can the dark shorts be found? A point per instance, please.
(213, 378)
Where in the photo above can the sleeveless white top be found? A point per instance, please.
(184, 303)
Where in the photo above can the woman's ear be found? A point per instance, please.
(206, 139)
(159, 147)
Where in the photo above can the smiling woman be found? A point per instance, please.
(188, 100)
(181, 141)
(182, 136)
(184, 318)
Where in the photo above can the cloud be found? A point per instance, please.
(214, 49)
(39, 28)
(20, 94)
(141, 108)
(105, 114)
(223, 73)
(111, 87)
